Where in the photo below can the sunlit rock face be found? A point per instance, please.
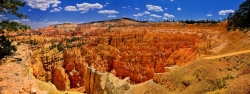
(122, 47)
(137, 56)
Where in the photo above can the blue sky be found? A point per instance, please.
(46, 12)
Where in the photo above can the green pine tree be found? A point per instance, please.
(240, 19)
(7, 8)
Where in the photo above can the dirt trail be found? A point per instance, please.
(227, 54)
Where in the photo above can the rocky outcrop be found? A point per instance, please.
(137, 56)
(15, 74)
(102, 83)
(123, 47)
(60, 79)
(38, 70)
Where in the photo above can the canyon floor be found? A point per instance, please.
(124, 56)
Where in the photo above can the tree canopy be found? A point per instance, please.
(10, 8)
(240, 19)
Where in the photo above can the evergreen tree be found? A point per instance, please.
(7, 8)
(240, 18)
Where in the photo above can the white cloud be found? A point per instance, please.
(70, 8)
(124, 7)
(147, 12)
(141, 14)
(83, 12)
(56, 3)
(166, 8)
(25, 20)
(16, 21)
(209, 15)
(86, 6)
(178, 8)
(129, 7)
(224, 12)
(156, 16)
(154, 8)
(42, 4)
(107, 3)
(56, 9)
(112, 16)
(168, 15)
(171, 0)
(164, 18)
(108, 11)
(138, 14)
(151, 19)
(29, 10)
(137, 8)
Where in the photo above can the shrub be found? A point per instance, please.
(220, 83)
(5, 47)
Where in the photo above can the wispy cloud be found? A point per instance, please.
(156, 16)
(112, 16)
(138, 14)
(178, 8)
(70, 8)
(224, 12)
(137, 8)
(151, 19)
(56, 9)
(42, 4)
(108, 11)
(168, 15)
(209, 15)
(147, 12)
(164, 18)
(86, 6)
(154, 8)
(25, 20)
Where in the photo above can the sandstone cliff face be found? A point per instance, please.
(43, 62)
(138, 56)
(103, 83)
(125, 49)
(60, 79)
(123, 56)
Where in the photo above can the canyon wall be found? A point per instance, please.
(90, 52)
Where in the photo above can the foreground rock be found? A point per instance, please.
(15, 74)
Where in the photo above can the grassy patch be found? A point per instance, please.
(197, 73)
(220, 83)
(229, 69)
(248, 64)
(18, 43)
(16, 74)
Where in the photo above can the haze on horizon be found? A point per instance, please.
(48, 12)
